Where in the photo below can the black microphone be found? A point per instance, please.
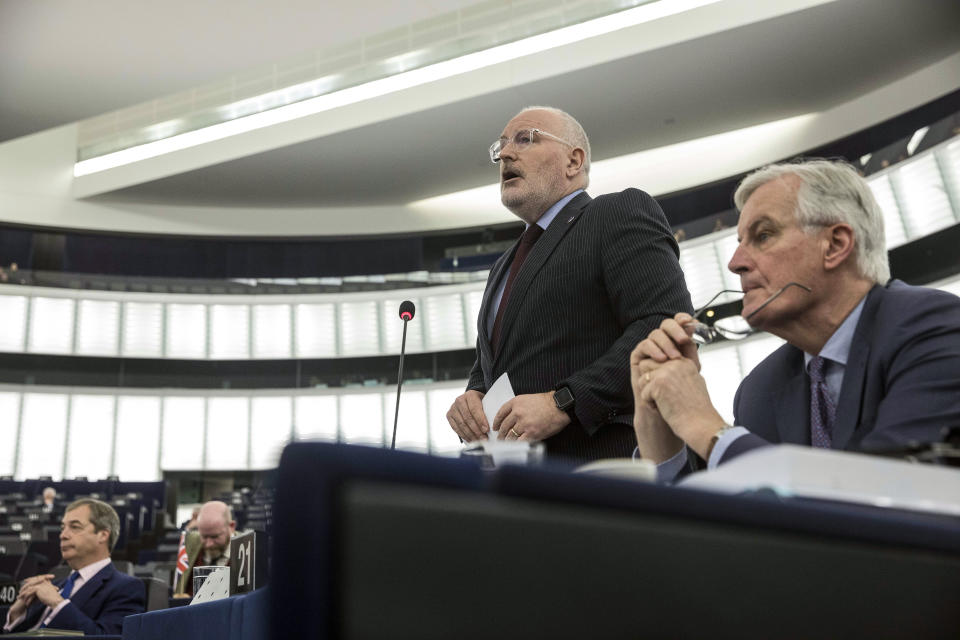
(407, 311)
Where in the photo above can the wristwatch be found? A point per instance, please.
(713, 441)
(564, 400)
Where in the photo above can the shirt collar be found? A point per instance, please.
(552, 212)
(93, 569)
(837, 348)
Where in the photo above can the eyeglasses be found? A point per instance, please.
(734, 327)
(520, 141)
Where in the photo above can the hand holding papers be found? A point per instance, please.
(500, 452)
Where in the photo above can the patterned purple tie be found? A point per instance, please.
(822, 410)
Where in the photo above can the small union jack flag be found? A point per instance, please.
(182, 561)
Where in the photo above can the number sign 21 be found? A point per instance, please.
(243, 558)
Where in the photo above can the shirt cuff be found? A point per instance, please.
(668, 470)
(55, 611)
(728, 438)
(13, 623)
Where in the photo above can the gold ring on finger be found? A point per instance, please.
(646, 376)
(515, 434)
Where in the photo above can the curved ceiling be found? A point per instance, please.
(112, 53)
(61, 62)
(800, 63)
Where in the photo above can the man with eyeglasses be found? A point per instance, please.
(95, 597)
(870, 363)
(563, 307)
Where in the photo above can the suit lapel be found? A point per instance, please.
(91, 586)
(793, 408)
(541, 251)
(854, 375)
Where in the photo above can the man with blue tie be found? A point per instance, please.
(870, 363)
(95, 597)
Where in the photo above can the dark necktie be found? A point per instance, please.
(822, 410)
(527, 240)
(67, 587)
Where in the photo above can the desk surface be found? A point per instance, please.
(431, 548)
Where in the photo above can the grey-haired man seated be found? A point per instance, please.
(869, 362)
(95, 597)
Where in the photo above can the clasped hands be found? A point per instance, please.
(36, 588)
(531, 416)
(671, 403)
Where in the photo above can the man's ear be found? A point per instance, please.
(839, 244)
(575, 161)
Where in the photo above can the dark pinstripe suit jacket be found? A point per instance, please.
(602, 276)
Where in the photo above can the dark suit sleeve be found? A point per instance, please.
(743, 444)
(746, 442)
(644, 285)
(476, 374)
(31, 617)
(128, 598)
(922, 377)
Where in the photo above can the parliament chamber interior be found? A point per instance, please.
(210, 215)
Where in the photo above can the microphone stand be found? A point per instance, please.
(396, 411)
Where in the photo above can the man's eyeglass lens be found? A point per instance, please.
(705, 334)
(520, 141)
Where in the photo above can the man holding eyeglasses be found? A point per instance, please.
(95, 597)
(870, 363)
(563, 307)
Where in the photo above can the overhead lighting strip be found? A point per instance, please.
(393, 84)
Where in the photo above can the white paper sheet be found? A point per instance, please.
(836, 475)
(499, 394)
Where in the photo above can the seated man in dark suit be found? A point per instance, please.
(870, 363)
(93, 599)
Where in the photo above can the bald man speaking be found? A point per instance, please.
(564, 306)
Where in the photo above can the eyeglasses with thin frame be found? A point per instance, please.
(705, 334)
(521, 140)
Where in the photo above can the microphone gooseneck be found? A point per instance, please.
(407, 311)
